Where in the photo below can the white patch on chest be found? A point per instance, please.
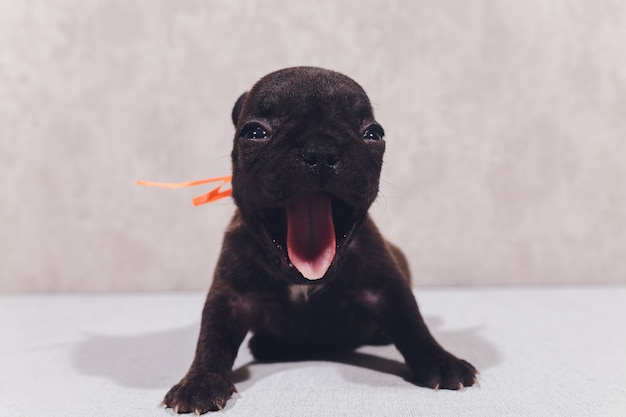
(301, 293)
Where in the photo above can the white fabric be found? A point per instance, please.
(541, 352)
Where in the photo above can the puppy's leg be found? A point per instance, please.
(395, 310)
(266, 348)
(207, 385)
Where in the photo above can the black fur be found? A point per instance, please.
(299, 131)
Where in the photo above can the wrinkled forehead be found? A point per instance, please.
(313, 94)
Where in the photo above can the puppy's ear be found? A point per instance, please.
(237, 109)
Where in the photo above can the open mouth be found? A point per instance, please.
(310, 230)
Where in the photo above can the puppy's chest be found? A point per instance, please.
(305, 296)
(301, 302)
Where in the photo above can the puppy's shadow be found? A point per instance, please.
(149, 361)
(159, 360)
(358, 363)
(467, 344)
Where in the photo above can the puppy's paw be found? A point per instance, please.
(442, 370)
(199, 394)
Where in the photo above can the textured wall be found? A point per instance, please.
(505, 129)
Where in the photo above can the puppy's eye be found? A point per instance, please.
(254, 131)
(374, 132)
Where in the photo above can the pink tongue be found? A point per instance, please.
(311, 235)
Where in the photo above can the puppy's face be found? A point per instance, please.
(306, 159)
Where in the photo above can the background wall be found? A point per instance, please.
(505, 123)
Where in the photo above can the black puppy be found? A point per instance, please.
(302, 264)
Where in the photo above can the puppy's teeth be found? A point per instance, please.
(461, 387)
(197, 412)
(436, 387)
(176, 409)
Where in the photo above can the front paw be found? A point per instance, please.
(443, 370)
(199, 394)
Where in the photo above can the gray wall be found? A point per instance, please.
(505, 126)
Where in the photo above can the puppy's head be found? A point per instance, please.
(306, 160)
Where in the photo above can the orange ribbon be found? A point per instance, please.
(215, 194)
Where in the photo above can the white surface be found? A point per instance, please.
(541, 352)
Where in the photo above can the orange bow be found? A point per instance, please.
(215, 194)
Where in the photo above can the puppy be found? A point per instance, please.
(302, 264)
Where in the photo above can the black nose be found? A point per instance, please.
(320, 157)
